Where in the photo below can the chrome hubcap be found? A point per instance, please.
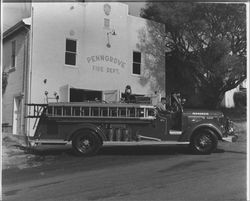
(204, 142)
(84, 145)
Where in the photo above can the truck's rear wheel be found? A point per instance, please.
(86, 143)
(204, 141)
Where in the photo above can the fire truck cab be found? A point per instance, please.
(89, 125)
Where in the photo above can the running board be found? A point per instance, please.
(144, 142)
(47, 142)
(109, 143)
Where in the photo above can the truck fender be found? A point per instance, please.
(99, 131)
(210, 126)
(187, 134)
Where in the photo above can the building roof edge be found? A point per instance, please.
(22, 23)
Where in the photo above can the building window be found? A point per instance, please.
(136, 63)
(106, 23)
(70, 54)
(13, 54)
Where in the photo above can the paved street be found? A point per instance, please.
(133, 173)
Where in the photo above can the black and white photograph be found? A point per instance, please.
(124, 100)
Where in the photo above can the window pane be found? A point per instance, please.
(70, 45)
(70, 58)
(137, 57)
(13, 61)
(13, 53)
(13, 48)
(136, 68)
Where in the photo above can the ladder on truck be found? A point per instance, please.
(92, 110)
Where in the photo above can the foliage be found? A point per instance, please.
(151, 44)
(206, 47)
(240, 99)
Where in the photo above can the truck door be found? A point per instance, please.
(156, 129)
(170, 119)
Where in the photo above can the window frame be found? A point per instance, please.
(70, 52)
(134, 62)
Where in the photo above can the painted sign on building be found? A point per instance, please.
(103, 63)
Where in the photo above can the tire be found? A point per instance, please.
(86, 143)
(204, 141)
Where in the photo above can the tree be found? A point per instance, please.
(205, 44)
(151, 44)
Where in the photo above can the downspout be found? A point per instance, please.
(26, 80)
(23, 82)
(29, 72)
(27, 77)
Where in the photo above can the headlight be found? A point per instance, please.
(230, 128)
(223, 122)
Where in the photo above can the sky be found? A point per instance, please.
(14, 12)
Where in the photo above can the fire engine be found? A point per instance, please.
(90, 125)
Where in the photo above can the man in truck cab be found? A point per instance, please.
(161, 106)
(169, 104)
(170, 108)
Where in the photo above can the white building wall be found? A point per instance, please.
(15, 80)
(53, 23)
(134, 38)
(228, 100)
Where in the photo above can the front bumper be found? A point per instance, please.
(230, 135)
(231, 138)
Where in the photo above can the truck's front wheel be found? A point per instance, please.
(86, 143)
(204, 141)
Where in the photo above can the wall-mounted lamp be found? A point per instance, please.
(113, 33)
(56, 96)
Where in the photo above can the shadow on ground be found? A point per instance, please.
(144, 150)
(124, 150)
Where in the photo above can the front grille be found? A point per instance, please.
(230, 127)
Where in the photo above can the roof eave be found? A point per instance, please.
(15, 28)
